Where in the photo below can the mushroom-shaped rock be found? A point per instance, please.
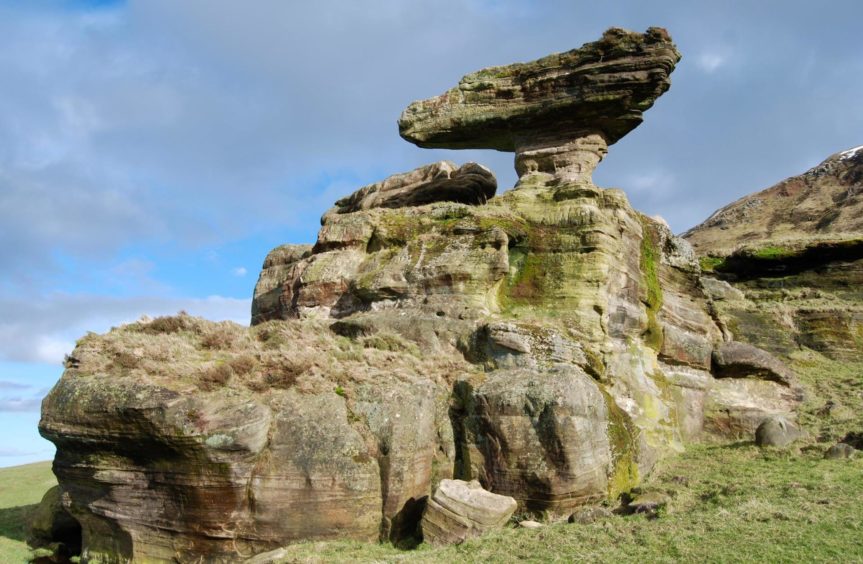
(460, 510)
(442, 181)
(558, 113)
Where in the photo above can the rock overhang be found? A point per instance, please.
(578, 102)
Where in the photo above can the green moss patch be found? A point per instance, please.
(650, 257)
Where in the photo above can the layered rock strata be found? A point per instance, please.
(783, 269)
(793, 255)
(460, 510)
(442, 181)
(558, 113)
(550, 342)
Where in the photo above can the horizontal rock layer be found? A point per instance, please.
(603, 87)
(442, 181)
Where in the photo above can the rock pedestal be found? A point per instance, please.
(559, 113)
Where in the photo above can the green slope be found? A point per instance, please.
(21, 488)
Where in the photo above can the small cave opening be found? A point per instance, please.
(64, 542)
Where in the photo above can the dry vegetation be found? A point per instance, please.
(182, 351)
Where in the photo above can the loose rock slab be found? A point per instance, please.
(442, 181)
(461, 510)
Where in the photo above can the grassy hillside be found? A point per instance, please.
(21, 488)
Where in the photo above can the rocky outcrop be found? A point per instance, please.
(461, 510)
(558, 113)
(272, 296)
(442, 181)
(740, 360)
(551, 343)
(540, 437)
(785, 264)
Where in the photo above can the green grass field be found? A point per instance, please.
(21, 489)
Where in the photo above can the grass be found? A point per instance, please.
(21, 489)
(729, 503)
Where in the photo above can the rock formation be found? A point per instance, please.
(550, 342)
(471, 183)
(559, 113)
(792, 256)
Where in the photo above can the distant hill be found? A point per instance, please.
(823, 202)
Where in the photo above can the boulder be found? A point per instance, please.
(558, 113)
(649, 503)
(540, 437)
(776, 432)
(588, 515)
(840, 450)
(741, 360)
(460, 510)
(442, 181)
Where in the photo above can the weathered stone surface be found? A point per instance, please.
(528, 524)
(272, 299)
(558, 113)
(588, 515)
(741, 360)
(460, 510)
(442, 181)
(786, 263)
(649, 503)
(552, 343)
(735, 407)
(776, 431)
(540, 437)
(178, 437)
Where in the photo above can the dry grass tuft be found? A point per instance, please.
(216, 376)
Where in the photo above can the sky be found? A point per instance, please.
(153, 151)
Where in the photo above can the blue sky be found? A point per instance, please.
(152, 152)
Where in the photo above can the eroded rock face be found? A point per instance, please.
(558, 113)
(540, 437)
(442, 181)
(179, 437)
(784, 266)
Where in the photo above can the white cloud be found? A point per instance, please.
(710, 62)
(240, 271)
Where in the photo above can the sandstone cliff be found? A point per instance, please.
(550, 342)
